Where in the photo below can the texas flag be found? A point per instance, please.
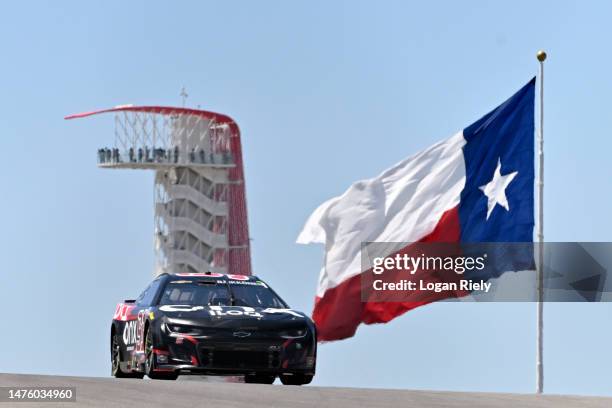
(476, 186)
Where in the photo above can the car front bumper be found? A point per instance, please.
(206, 355)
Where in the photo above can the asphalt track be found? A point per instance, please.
(109, 392)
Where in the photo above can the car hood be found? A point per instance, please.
(234, 316)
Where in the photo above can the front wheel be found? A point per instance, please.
(116, 370)
(150, 364)
(296, 379)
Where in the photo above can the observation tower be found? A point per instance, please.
(200, 201)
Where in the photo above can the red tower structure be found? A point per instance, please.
(200, 199)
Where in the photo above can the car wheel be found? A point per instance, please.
(259, 379)
(116, 370)
(296, 379)
(150, 361)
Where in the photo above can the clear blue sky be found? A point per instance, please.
(326, 93)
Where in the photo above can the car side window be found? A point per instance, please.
(142, 295)
(148, 295)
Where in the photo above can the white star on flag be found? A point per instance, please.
(495, 190)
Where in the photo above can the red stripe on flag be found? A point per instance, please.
(340, 310)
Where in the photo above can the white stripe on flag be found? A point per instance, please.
(403, 204)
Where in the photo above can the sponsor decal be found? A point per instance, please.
(229, 311)
(130, 332)
(288, 311)
(238, 282)
(233, 311)
(180, 308)
(117, 311)
(123, 312)
(140, 323)
(248, 311)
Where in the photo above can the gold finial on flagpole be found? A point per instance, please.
(541, 56)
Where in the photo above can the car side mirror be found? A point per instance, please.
(129, 301)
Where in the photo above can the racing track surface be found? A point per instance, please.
(107, 392)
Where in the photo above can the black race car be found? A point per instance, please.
(213, 324)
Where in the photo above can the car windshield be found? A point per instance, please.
(220, 293)
(257, 295)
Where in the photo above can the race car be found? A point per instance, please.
(212, 324)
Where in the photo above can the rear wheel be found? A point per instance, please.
(116, 370)
(296, 379)
(150, 363)
(259, 379)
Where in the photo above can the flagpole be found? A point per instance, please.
(540, 237)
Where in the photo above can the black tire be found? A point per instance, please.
(150, 361)
(116, 370)
(296, 379)
(259, 379)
